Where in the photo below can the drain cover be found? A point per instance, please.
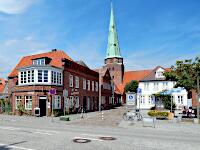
(107, 138)
(81, 140)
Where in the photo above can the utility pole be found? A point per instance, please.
(198, 97)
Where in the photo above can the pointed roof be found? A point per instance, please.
(113, 49)
(152, 75)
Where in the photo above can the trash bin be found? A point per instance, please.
(37, 112)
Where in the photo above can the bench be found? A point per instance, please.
(148, 122)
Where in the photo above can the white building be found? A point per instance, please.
(155, 82)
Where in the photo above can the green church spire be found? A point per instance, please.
(113, 49)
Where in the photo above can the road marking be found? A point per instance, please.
(78, 137)
(15, 147)
(96, 135)
(36, 131)
(43, 133)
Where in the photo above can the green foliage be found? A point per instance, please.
(185, 73)
(21, 109)
(155, 113)
(65, 118)
(166, 100)
(57, 112)
(131, 86)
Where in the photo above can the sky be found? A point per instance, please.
(150, 32)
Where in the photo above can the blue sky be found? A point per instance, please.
(151, 32)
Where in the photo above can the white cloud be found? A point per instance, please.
(15, 6)
(14, 49)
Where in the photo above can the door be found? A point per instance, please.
(42, 105)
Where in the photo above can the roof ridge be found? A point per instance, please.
(42, 53)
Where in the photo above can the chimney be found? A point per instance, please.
(54, 50)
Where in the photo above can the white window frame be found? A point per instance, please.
(57, 102)
(71, 80)
(76, 82)
(77, 102)
(88, 85)
(18, 100)
(39, 62)
(71, 101)
(28, 98)
(96, 87)
(84, 84)
(92, 85)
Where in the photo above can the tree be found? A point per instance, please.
(131, 86)
(185, 73)
(166, 101)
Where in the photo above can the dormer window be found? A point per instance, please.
(159, 73)
(39, 62)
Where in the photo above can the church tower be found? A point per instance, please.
(114, 60)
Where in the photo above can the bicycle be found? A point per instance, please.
(130, 116)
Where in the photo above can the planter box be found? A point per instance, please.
(64, 118)
(196, 121)
(170, 116)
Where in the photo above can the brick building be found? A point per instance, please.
(82, 85)
(32, 78)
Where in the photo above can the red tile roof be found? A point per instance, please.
(2, 85)
(134, 75)
(151, 75)
(26, 61)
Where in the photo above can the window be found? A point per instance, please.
(28, 102)
(32, 76)
(77, 82)
(39, 75)
(77, 101)
(39, 62)
(180, 99)
(57, 102)
(150, 99)
(96, 86)
(29, 76)
(71, 101)
(56, 77)
(165, 85)
(92, 85)
(88, 83)
(84, 84)
(45, 75)
(142, 99)
(146, 86)
(156, 86)
(70, 80)
(88, 103)
(18, 100)
(24, 76)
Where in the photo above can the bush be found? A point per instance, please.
(64, 118)
(155, 113)
(57, 112)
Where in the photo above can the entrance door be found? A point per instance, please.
(42, 105)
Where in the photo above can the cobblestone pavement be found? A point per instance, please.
(110, 117)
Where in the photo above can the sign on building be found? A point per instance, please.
(130, 99)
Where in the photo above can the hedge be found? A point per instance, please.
(155, 113)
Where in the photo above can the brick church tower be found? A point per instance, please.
(114, 60)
